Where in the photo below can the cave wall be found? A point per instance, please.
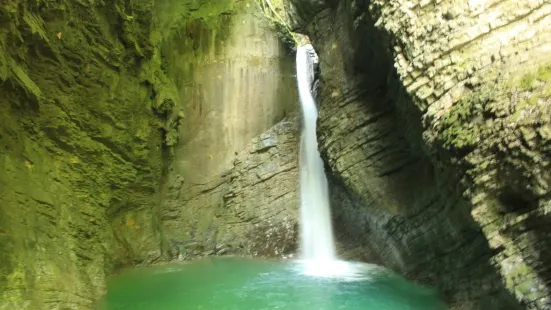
(236, 81)
(434, 121)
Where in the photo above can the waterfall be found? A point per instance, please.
(318, 256)
(316, 233)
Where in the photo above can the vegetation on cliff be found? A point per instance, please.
(438, 114)
(91, 97)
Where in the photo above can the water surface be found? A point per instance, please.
(247, 284)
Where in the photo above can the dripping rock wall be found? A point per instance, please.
(236, 81)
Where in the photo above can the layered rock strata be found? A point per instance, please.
(80, 150)
(251, 209)
(97, 99)
(434, 120)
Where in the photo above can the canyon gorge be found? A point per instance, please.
(143, 132)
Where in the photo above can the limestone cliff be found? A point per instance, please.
(434, 121)
(135, 131)
(80, 149)
(97, 99)
(249, 209)
(237, 81)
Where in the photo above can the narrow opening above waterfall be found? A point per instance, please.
(247, 284)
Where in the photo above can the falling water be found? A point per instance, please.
(317, 243)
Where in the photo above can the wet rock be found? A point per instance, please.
(237, 149)
(81, 150)
(433, 140)
(252, 209)
(265, 142)
(96, 98)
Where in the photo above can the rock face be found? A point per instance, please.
(434, 121)
(80, 150)
(133, 129)
(236, 81)
(251, 209)
(94, 96)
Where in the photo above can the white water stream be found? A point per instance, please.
(318, 255)
(317, 244)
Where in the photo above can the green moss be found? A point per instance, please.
(520, 279)
(16, 281)
(544, 73)
(546, 90)
(527, 82)
(531, 80)
(460, 129)
(171, 133)
(89, 144)
(273, 11)
(545, 132)
(175, 15)
(533, 99)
